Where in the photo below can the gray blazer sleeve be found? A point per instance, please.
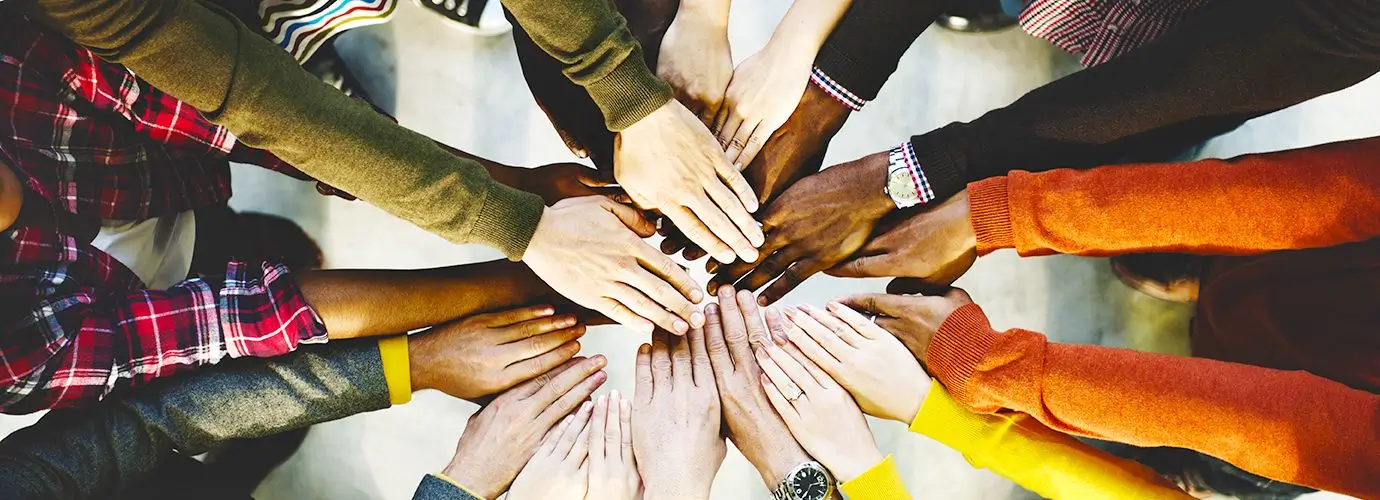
(94, 452)
(435, 488)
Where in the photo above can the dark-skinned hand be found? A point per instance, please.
(912, 318)
(816, 224)
(558, 181)
(487, 353)
(794, 151)
(934, 247)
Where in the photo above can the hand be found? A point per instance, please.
(695, 58)
(753, 426)
(499, 440)
(820, 413)
(935, 246)
(557, 470)
(558, 181)
(488, 353)
(590, 249)
(669, 162)
(883, 377)
(763, 93)
(676, 418)
(912, 318)
(817, 223)
(612, 468)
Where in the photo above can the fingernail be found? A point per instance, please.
(567, 322)
(546, 311)
(585, 407)
(749, 255)
(603, 399)
(626, 405)
(762, 301)
(712, 308)
(726, 257)
(681, 327)
(647, 327)
(696, 319)
(600, 376)
(644, 349)
(834, 306)
(696, 296)
(613, 394)
(600, 360)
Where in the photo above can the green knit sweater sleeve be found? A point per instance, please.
(591, 39)
(207, 58)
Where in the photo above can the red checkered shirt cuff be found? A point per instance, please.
(836, 90)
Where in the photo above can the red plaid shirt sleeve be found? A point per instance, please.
(70, 344)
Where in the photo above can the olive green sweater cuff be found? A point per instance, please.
(629, 92)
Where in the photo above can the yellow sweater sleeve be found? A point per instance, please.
(397, 368)
(881, 482)
(1036, 457)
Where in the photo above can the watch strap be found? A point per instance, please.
(918, 190)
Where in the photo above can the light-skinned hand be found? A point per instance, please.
(821, 415)
(612, 466)
(732, 327)
(676, 418)
(881, 374)
(764, 91)
(669, 162)
(817, 223)
(935, 246)
(487, 353)
(695, 58)
(590, 250)
(558, 470)
(500, 439)
(914, 319)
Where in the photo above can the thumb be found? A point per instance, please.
(631, 218)
(878, 303)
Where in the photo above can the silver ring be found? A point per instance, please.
(794, 395)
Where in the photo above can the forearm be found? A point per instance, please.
(1233, 61)
(98, 452)
(591, 40)
(1305, 198)
(1047, 462)
(805, 27)
(359, 303)
(1287, 425)
(211, 61)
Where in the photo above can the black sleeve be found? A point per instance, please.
(1235, 60)
(864, 48)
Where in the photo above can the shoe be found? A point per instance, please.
(327, 65)
(1203, 476)
(976, 16)
(1165, 276)
(478, 17)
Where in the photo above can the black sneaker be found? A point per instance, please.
(976, 16)
(471, 16)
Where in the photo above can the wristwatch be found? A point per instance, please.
(807, 481)
(900, 180)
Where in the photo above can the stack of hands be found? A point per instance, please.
(788, 389)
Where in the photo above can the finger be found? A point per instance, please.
(792, 368)
(728, 125)
(572, 398)
(533, 367)
(710, 113)
(643, 382)
(811, 368)
(912, 286)
(793, 277)
(757, 332)
(512, 316)
(734, 330)
(738, 142)
(774, 372)
(719, 357)
(840, 329)
(682, 364)
(777, 325)
(958, 294)
(579, 452)
(625, 423)
(661, 364)
(779, 401)
(732, 273)
(666, 297)
(612, 437)
(532, 328)
(597, 424)
(670, 272)
(754, 145)
(702, 373)
(700, 235)
(572, 433)
(732, 174)
(737, 213)
(879, 303)
(862, 325)
(565, 382)
(769, 269)
(622, 315)
(527, 389)
(715, 217)
(553, 436)
(866, 266)
(631, 217)
(812, 348)
(645, 307)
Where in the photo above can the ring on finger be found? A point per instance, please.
(793, 393)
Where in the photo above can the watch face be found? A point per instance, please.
(810, 483)
(901, 187)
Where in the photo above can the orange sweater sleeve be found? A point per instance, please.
(1304, 198)
(1287, 425)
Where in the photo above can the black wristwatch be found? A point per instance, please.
(807, 481)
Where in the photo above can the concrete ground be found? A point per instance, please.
(468, 92)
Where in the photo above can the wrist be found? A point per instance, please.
(419, 362)
(706, 13)
(847, 468)
(775, 462)
(472, 480)
(875, 174)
